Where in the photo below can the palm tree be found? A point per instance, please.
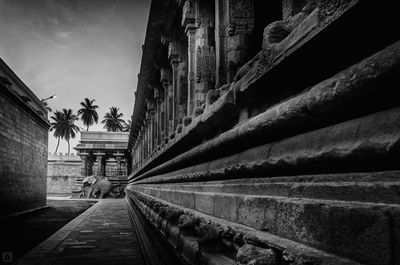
(113, 121)
(128, 125)
(69, 129)
(56, 125)
(88, 113)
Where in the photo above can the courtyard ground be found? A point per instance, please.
(103, 234)
(20, 234)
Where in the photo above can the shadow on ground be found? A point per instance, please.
(22, 233)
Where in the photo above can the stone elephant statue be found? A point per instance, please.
(102, 185)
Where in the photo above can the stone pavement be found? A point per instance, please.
(103, 234)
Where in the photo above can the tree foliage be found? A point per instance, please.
(113, 121)
(88, 113)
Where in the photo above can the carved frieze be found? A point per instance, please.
(242, 9)
(205, 64)
(150, 105)
(240, 17)
(165, 77)
(330, 6)
(329, 9)
(173, 52)
(158, 95)
(188, 14)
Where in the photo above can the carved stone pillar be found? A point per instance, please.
(239, 26)
(173, 56)
(220, 34)
(118, 157)
(84, 163)
(159, 98)
(141, 146)
(140, 149)
(99, 164)
(146, 137)
(188, 22)
(135, 155)
(168, 99)
(205, 52)
(151, 110)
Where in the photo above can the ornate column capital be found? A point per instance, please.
(240, 17)
(188, 14)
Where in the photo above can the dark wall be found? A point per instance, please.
(23, 155)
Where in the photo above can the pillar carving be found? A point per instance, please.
(220, 72)
(205, 72)
(239, 26)
(119, 172)
(166, 81)
(84, 163)
(99, 171)
(188, 22)
(204, 51)
(159, 99)
(177, 54)
(150, 117)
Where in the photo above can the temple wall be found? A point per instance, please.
(62, 171)
(23, 146)
(289, 155)
(60, 184)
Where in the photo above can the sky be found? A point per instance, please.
(76, 49)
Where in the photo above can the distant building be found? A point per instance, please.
(104, 154)
(23, 145)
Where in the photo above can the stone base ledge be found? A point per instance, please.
(204, 239)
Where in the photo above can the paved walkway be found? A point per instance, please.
(103, 234)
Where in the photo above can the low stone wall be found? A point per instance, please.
(60, 184)
(63, 165)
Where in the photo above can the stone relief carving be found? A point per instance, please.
(330, 6)
(165, 77)
(187, 7)
(241, 17)
(205, 66)
(242, 8)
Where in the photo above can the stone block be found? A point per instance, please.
(226, 207)
(256, 212)
(186, 199)
(204, 203)
(355, 231)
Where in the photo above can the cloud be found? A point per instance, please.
(77, 49)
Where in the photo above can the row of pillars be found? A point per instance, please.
(99, 164)
(204, 53)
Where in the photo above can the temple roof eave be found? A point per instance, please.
(157, 19)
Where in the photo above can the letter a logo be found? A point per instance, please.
(7, 257)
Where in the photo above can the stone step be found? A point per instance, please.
(202, 240)
(376, 187)
(361, 231)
